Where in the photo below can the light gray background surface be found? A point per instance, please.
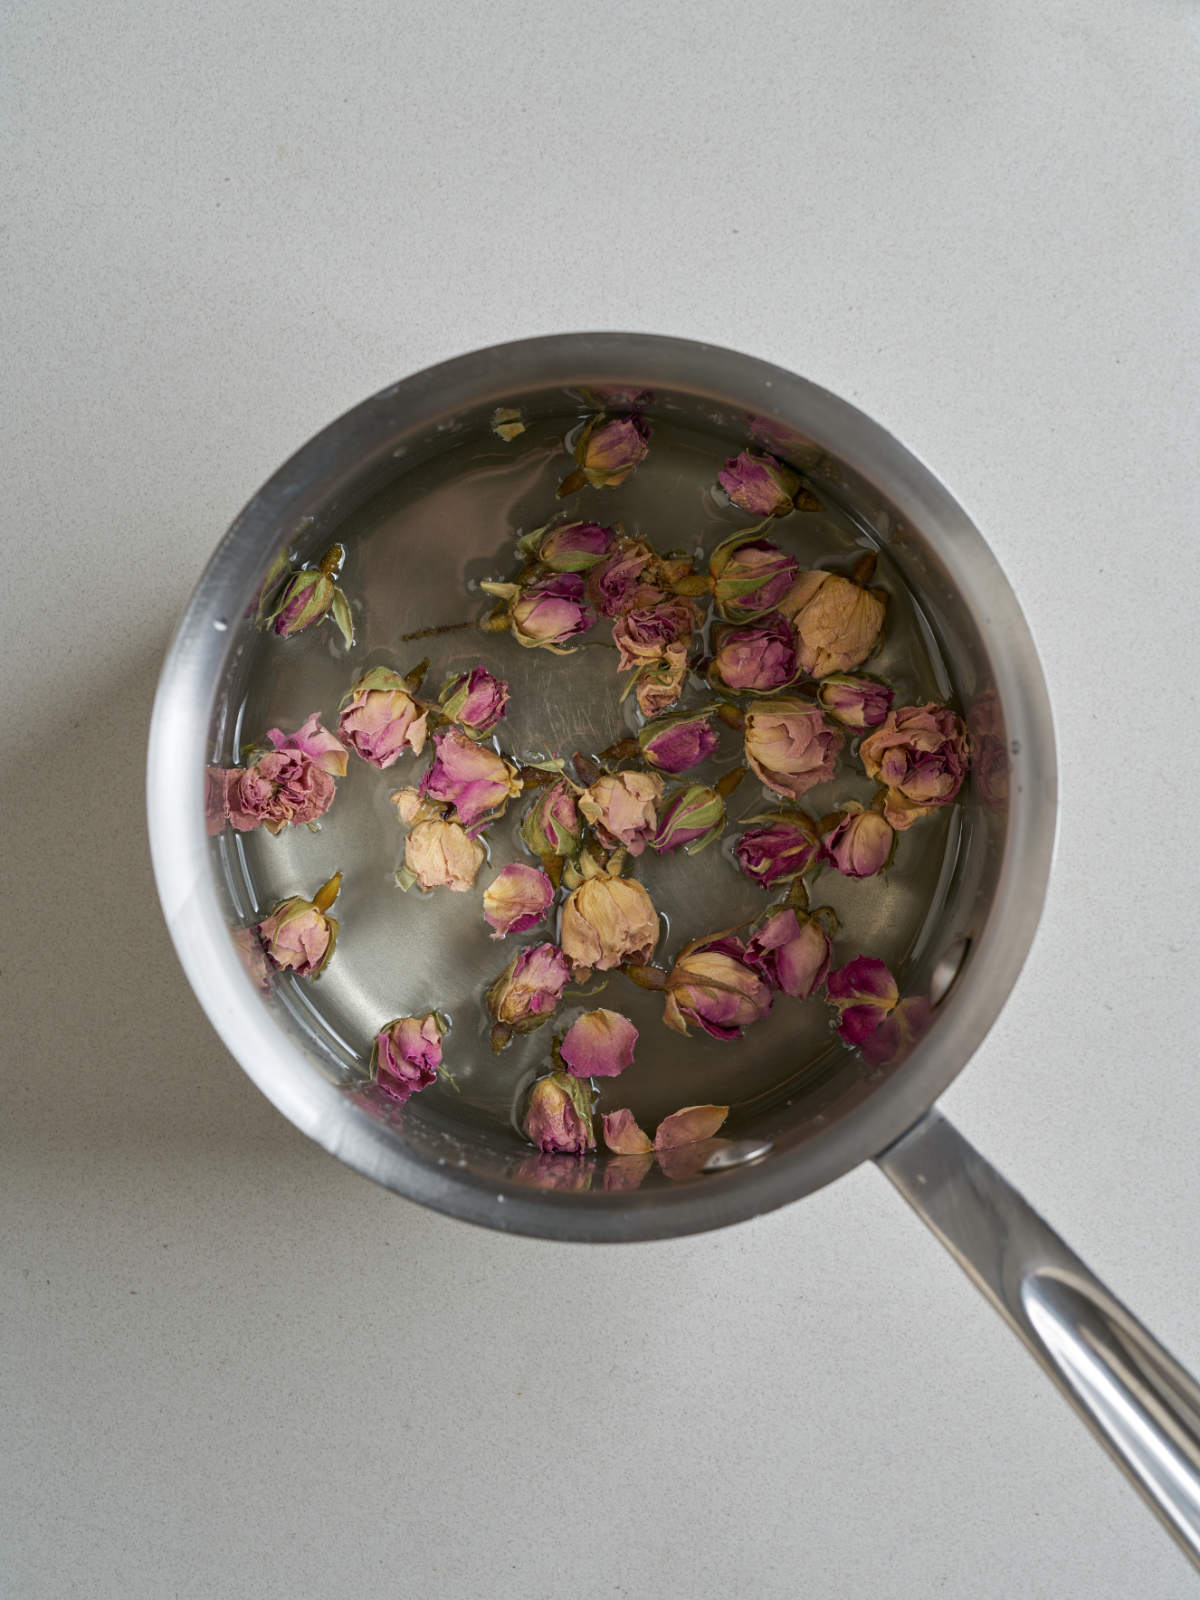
(230, 1367)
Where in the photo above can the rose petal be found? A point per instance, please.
(688, 1125)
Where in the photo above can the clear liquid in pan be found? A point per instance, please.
(415, 557)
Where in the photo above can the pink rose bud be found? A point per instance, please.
(474, 700)
(622, 808)
(529, 988)
(476, 781)
(920, 754)
(837, 622)
(517, 899)
(315, 742)
(750, 576)
(673, 744)
(857, 703)
(659, 687)
(407, 1055)
(691, 818)
(609, 448)
(626, 580)
(568, 546)
(790, 746)
(607, 921)
(712, 985)
(284, 787)
(647, 635)
(298, 935)
(550, 611)
(598, 1045)
(623, 1136)
(792, 953)
(689, 1125)
(757, 659)
(782, 850)
(863, 993)
(860, 844)
(379, 718)
(440, 855)
(310, 594)
(551, 826)
(558, 1117)
(759, 484)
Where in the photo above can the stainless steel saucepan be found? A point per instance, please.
(1137, 1400)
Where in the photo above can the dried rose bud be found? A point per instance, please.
(407, 1055)
(379, 718)
(757, 659)
(863, 992)
(551, 826)
(284, 787)
(782, 850)
(750, 576)
(860, 844)
(568, 546)
(298, 935)
(790, 746)
(691, 818)
(517, 899)
(857, 703)
(759, 484)
(315, 742)
(659, 687)
(626, 580)
(598, 1045)
(623, 1136)
(441, 855)
(712, 986)
(608, 920)
(792, 953)
(646, 635)
(529, 988)
(474, 700)
(558, 1117)
(473, 779)
(673, 744)
(920, 753)
(837, 622)
(689, 1125)
(551, 611)
(310, 594)
(621, 807)
(609, 448)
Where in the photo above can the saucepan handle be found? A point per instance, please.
(1136, 1398)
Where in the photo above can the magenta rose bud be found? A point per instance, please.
(379, 718)
(750, 576)
(837, 622)
(516, 899)
(863, 993)
(646, 636)
(792, 953)
(622, 808)
(759, 484)
(568, 546)
(551, 826)
(407, 1055)
(476, 781)
(598, 1045)
(529, 988)
(474, 700)
(310, 594)
(673, 744)
(783, 849)
(609, 448)
(790, 746)
(757, 659)
(558, 1116)
(550, 611)
(857, 703)
(692, 818)
(712, 985)
(860, 844)
(298, 935)
(625, 580)
(920, 754)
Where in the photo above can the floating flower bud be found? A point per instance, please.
(648, 634)
(544, 614)
(860, 844)
(476, 781)
(609, 448)
(757, 659)
(759, 484)
(474, 700)
(857, 703)
(315, 742)
(518, 898)
(608, 920)
(407, 1055)
(309, 594)
(691, 818)
(441, 855)
(688, 1126)
(750, 576)
(659, 686)
(379, 718)
(551, 826)
(712, 986)
(599, 1044)
(558, 1118)
(792, 953)
(626, 580)
(673, 744)
(298, 935)
(863, 993)
(920, 754)
(529, 988)
(780, 851)
(621, 808)
(287, 785)
(623, 1136)
(837, 622)
(568, 546)
(790, 746)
